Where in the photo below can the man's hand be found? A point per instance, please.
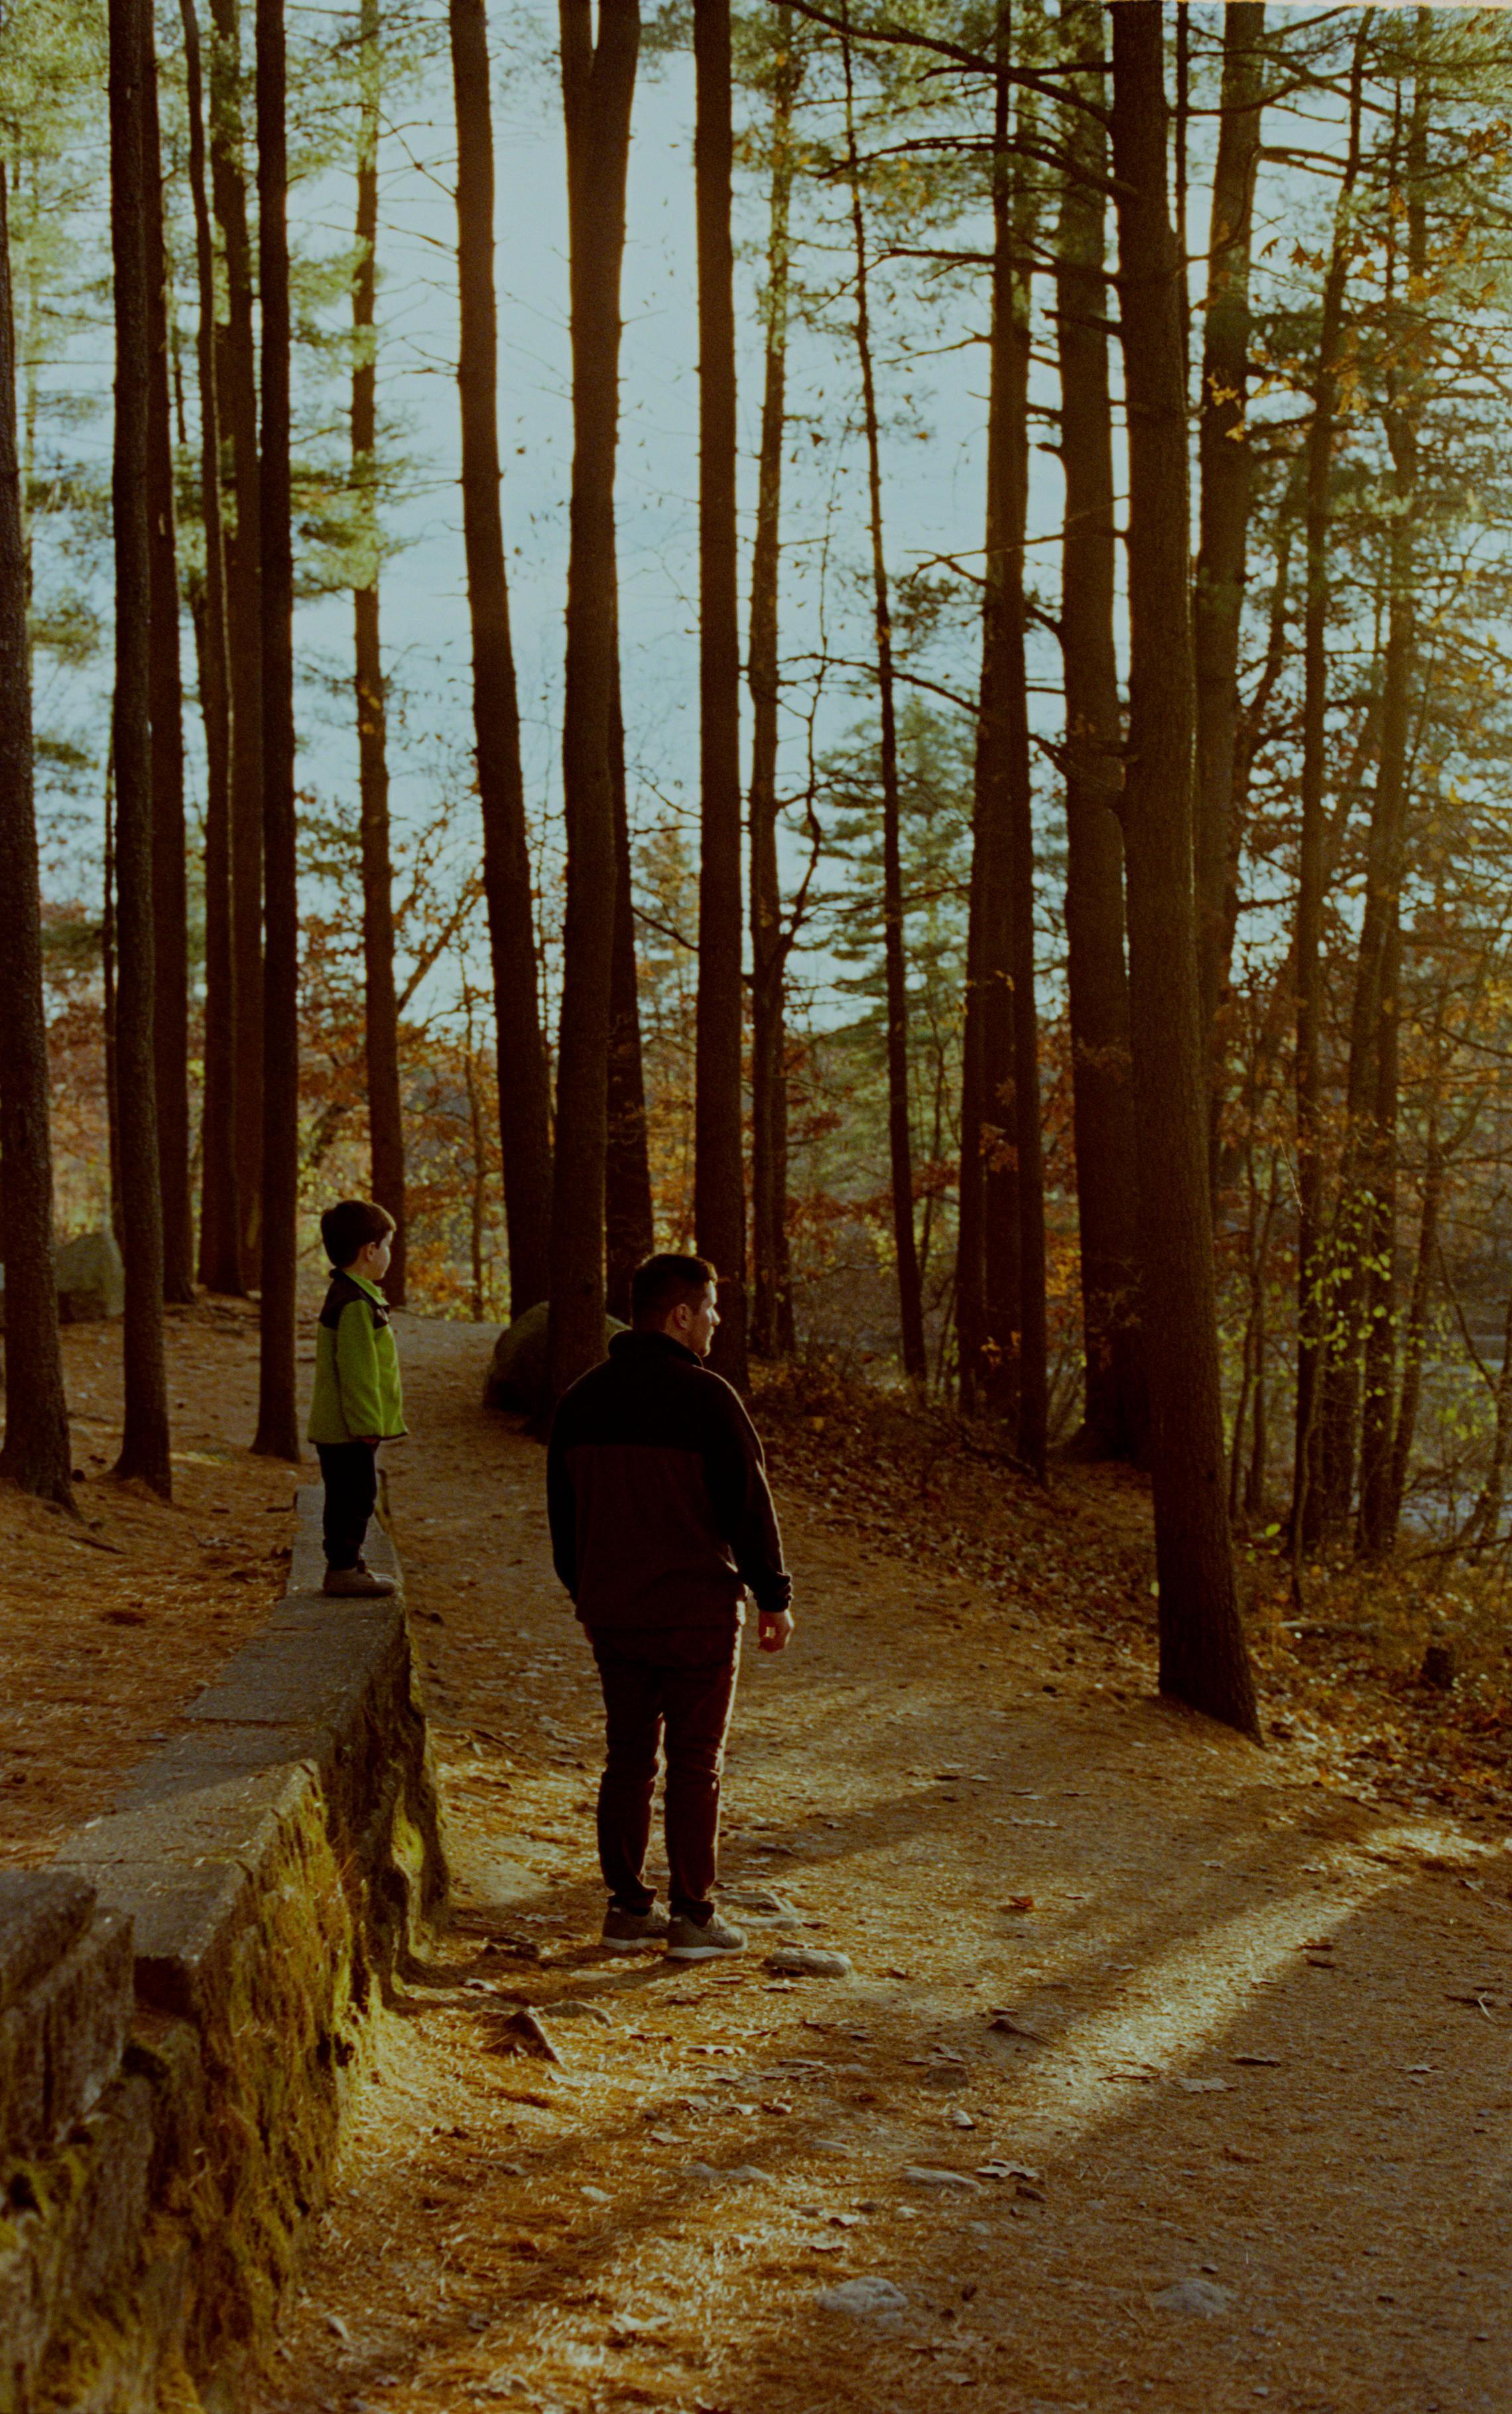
(775, 1627)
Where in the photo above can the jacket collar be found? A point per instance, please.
(362, 1284)
(652, 1344)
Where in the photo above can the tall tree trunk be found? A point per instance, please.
(899, 1141)
(1033, 1402)
(1378, 975)
(1308, 1504)
(220, 1250)
(1224, 453)
(718, 1158)
(144, 1444)
(771, 1333)
(236, 385)
(385, 1112)
(990, 1288)
(36, 1454)
(1203, 1656)
(108, 989)
(277, 1433)
(1116, 1411)
(598, 89)
(524, 1091)
(170, 891)
(630, 1224)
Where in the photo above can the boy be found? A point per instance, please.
(357, 1400)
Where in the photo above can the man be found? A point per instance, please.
(660, 1518)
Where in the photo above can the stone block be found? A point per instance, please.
(42, 1912)
(62, 2036)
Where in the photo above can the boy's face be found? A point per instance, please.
(371, 1258)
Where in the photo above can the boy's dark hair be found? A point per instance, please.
(349, 1225)
(662, 1283)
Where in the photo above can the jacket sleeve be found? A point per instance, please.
(561, 1507)
(357, 1371)
(735, 1473)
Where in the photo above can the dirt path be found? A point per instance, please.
(1137, 2011)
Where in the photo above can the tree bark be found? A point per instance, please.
(900, 1140)
(36, 1454)
(277, 1433)
(989, 1285)
(144, 1446)
(220, 1254)
(385, 1109)
(772, 1327)
(1368, 1213)
(1414, 1344)
(598, 88)
(629, 1223)
(1224, 453)
(718, 1158)
(1116, 1411)
(170, 890)
(1203, 1656)
(1308, 1502)
(236, 384)
(524, 1091)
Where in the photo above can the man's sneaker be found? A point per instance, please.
(356, 1583)
(630, 1931)
(687, 1942)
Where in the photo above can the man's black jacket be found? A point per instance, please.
(657, 1490)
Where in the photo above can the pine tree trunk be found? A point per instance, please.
(1224, 451)
(990, 1288)
(277, 1433)
(236, 386)
(1203, 1656)
(598, 88)
(170, 890)
(220, 1254)
(1116, 1408)
(771, 1332)
(144, 1445)
(385, 1112)
(1014, 290)
(629, 1223)
(1308, 1504)
(36, 1454)
(718, 1160)
(524, 1091)
(900, 1140)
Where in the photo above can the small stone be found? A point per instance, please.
(1203, 2086)
(809, 1962)
(960, 2119)
(929, 2175)
(1193, 2297)
(869, 2297)
(596, 2194)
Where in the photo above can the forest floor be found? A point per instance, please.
(1172, 2073)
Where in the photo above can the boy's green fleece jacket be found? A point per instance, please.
(358, 1395)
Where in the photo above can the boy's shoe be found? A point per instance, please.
(689, 1942)
(356, 1583)
(630, 1931)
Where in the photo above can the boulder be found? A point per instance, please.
(91, 1279)
(518, 1372)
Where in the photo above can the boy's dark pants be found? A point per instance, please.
(676, 1682)
(351, 1472)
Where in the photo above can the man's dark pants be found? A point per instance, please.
(351, 1472)
(677, 1683)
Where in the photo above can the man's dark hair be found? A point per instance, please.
(662, 1283)
(349, 1225)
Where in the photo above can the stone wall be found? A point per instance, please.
(184, 1999)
